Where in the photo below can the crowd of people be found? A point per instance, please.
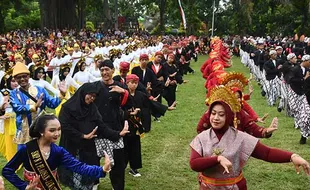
(282, 71)
(105, 89)
(104, 92)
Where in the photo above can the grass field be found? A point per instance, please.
(166, 148)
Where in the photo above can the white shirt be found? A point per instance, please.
(67, 58)
(30, 64)
(44, 84)
(75, 61)
(56, 63)
(95, 72)
(68, 82)
(82, 77)
(274, 63)
(303, 70)
(156, 67)
(2, 73)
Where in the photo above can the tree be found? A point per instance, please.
(58, 14)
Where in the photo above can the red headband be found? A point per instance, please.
(171, 55)
(159, 53)
(124, 66)
(144, 56)
(132, 77)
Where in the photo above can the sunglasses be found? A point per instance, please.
(19, 77)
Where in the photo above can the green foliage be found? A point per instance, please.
(27, 17)
(254, 17)
(90, 26)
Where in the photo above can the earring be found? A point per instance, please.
(41, 134)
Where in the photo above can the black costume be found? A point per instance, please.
(170, 90)
(109, 106)
(78, 119)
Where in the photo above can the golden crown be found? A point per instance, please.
(41, 64)
(97, 57)
(68, 64)
(224, 94)
(234, 79)
(82, 60)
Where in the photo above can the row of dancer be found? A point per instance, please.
(283, 77)
(228, 133)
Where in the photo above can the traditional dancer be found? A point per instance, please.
(41, 157)
(28, 101)
(80, 121)
(223, 148)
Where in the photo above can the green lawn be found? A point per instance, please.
(166, 148)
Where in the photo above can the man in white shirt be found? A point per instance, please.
(35, 60)
(56, 62)
(77, 55)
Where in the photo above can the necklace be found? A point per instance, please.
(46, 154)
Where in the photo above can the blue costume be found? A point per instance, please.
(58, 157)
(25, 109)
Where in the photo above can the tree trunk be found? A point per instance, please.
(116, 14)
(108, 24)
(81, 13)
(58, 14)
(2, 29)
(305, 23)
(162, 8)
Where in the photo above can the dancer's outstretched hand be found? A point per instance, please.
(91, 134)
(299, 161)
(125, 129)
(107, 163)
(1, 183)
(273, 126)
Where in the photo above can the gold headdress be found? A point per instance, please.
(69, 49)
(224, 94)
(40, 64)
(76, 45)
(215, 39)
(8, 73)
(98, 57)
(35, 56)
(59, 50)
(82, 60)
(234, 79)
(68, 64)
(113, 52)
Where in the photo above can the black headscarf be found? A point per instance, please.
(34, 74)
(62, 71)
(77, 107)
(81, 65)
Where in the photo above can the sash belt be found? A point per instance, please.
(220, 182)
